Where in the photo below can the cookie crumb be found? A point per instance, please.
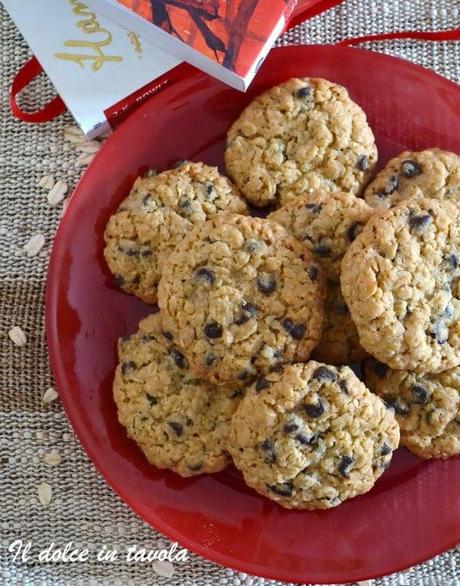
(52, 458)
(44, 493)
(34, 245)
(17, 336)
(50, 395)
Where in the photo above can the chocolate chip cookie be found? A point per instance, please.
(429, 173)
(156, 215)
(301, 135)
(427, 407)
(178, 421)
(400, 279)
(327, 223)
(310, 436)
(242, 295)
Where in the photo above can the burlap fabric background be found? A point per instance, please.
(83, 509)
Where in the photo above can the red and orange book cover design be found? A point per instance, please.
(230, 32)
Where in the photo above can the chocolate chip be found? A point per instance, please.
(323, 373)
(400, 407)
(417, 222)
(212, 330)
(127, 366)
(210, 359)
(290, 427)
(176, 427)
(322, 249)
(209, 187)
(136, 280)
(119, 280)
(151, 399)
(314, 410)
(345, 465)
(267, 447)
(195, 467)
(178, 358)
(129, 251)
(266, 284)
(453, 260)
(146, 200)
(380, 369)
(252, 245)
(205, 275)
(179, 163)
(186, 206)
(410, 168)
(420, 394)
(385, 449)
(303, 92)
(305, 440)
(440, 332)
(351, 231)
(343, 386)
(314, 208)
(167, 335)
(261, 384)
(146, 252)
(313, 272)
(243, 374)
(392, 185)
(247, 311)
(363, 163)
(236, 393)
(297, 331)
(285, 489)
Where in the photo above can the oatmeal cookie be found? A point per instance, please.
(242, 295)
(301, 135)
(401, 281)
(427, 407)
(310, 436)
(178, 421)
(155, 217)
(429, 173)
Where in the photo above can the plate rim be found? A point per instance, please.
(51, 331)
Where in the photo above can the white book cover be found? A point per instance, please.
(96, 66)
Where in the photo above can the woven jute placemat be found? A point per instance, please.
(83, 510)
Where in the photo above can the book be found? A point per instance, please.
(100, 69)
(228, 39)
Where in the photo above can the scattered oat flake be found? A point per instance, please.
(34, 245)
(46, 182)
(84, 159)
(52, 458)
(50, 395)
(74, 135)
(90, 146)
(163, 568)
(57, 193)
(44, 493)
(17, 336)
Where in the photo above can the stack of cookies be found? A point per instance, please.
(248, 358)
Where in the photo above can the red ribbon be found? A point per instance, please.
(29, 71)
(446, 35)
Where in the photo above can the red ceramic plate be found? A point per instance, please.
(413, 512)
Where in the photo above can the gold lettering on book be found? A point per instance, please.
(92, 51)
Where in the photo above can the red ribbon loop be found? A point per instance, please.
(29, 71)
